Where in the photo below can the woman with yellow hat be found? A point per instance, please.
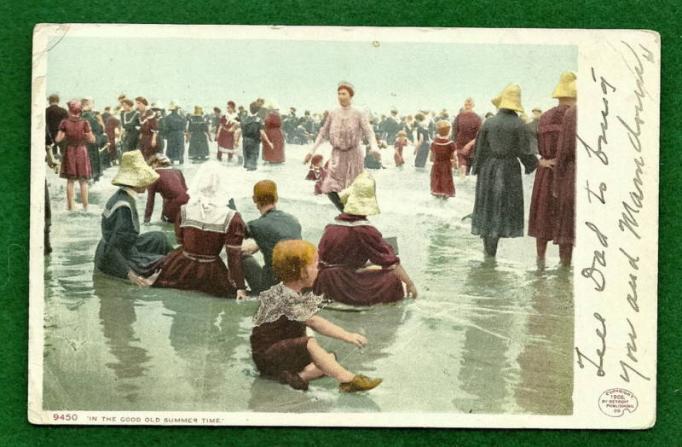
(542, 218)
(349, 244)
(564, 187)
(198, 135)
(502, 142)
(124, 252)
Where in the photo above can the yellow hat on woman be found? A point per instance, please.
(198, 110)
(496, 101)
(360, 197)
(134, 172)
(510, 98)
(566, 88)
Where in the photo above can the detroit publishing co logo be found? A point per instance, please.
(617, 401)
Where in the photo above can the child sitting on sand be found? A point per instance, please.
(281, 349)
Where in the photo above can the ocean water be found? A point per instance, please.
(482, 337)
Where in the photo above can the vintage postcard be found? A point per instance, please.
(320, 226)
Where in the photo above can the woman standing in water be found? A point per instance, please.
(175, 134)
(344, 128)
(400, 144)
(502, 142)
(564, 187)
(226, 137)
(97, 130)
(76, 132)
(423, 143)
(130, 120)
(149, 128)
(124, 252)
(198, 135)
(465, 127)
(442, 153)
(542, 217)
(112, 128)
(273, 129)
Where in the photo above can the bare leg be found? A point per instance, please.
(462, 170)
(541, 247)
(311, 372)
(69, 194)
(327, 364)
(566, 254)
(84, 193)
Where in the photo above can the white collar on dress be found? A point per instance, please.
(131, 192)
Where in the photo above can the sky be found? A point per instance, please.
(304, 74)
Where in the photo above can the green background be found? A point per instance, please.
(15, 87)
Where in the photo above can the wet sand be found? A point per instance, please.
(483, 336)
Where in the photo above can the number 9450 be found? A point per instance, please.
(68, 417)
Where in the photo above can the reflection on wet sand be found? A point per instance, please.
(495, 320)
(204, 334)
(516, 344)
(378, 324)
(549, 346)
(117, 316)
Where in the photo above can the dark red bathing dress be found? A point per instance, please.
(76, 163)
(278, 341)
(442, 184)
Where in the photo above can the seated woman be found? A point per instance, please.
(279, 344)
(123, 251)
(204, 226)
(348, 244)
(171, 185)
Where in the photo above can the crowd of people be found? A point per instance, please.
(352, 263)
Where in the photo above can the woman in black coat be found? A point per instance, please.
(502, 142)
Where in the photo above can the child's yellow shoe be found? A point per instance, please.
(359, 383)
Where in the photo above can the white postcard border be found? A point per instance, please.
(613, 56)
